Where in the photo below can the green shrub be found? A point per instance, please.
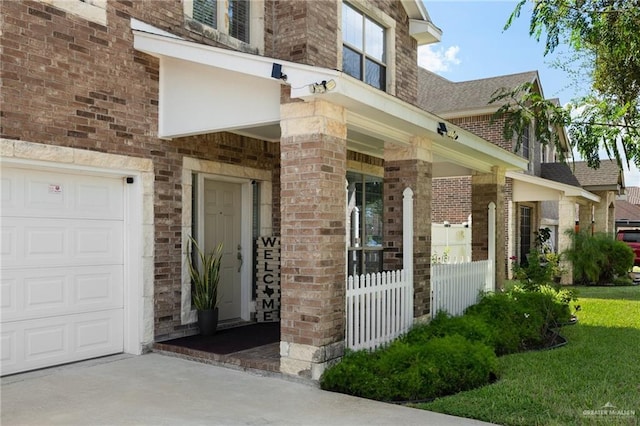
(443, 324)
(520, 319)
(413, 371)
(598, 258)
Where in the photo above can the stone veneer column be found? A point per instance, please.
(567, 220)
(585, 218)
(313, 236)
(604, 217)
(409, 166)
(485, 188)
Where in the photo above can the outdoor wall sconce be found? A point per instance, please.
(324, 86)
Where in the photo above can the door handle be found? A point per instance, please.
(239, 256)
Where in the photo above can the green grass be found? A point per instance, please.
(599, 365)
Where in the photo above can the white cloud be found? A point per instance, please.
(438, 60)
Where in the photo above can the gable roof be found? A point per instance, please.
(608, 177)
(446, 98)
(559, 172)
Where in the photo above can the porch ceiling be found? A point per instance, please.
(204, 89)
(533, 188)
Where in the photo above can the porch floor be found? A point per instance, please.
(255, 346)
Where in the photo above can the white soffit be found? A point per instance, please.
(197, 99)
(534, 188)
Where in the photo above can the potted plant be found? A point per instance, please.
(204, 270)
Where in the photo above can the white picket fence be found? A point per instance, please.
(379, 308)
(456, 286)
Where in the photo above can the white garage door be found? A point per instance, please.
(61, 268)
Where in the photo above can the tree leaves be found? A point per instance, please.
(609, 117)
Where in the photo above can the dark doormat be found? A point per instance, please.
(232, 339)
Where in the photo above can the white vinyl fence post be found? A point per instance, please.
(491, 282)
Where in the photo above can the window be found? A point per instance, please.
(525, 142)
(365, 224)
(231, 17)
(363, 48)
(525, 233)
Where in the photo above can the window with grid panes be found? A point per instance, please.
(207, 12)
(364, 206)
(363, 47)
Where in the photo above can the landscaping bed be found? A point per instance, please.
(454, 354)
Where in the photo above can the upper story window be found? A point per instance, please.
(237, 23)
(230, 16)
(364, 50)
(526, 145)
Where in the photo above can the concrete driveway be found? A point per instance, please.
(156, 389)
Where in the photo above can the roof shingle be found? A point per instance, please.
(439, 95)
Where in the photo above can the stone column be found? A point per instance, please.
(604, 214)
(585, 217)
(409, 166)
(486, 188)
(313, 236)
(567, 220)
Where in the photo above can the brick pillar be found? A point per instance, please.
(409, 167)
(566, 220)
(604, 217)
(486, 188)
(585, 217)
(313, 236)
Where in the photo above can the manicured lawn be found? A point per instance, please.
(600, 365)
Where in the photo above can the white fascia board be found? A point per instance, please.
(399, 121)
(543, 186)
(415, 9)
(424, 32)
(299, 76)
(147, 28)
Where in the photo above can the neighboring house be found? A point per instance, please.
(628, 209)
(530, 201)
(128, 126)
(607, 182)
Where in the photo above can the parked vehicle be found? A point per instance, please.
(632, 238)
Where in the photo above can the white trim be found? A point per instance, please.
(138, 217)
(227, 173)
(355, 96)
(560, 188)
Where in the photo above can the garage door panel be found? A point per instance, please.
(33, 193)
(49, 292)
(60, 242)
(62, 238)
(38, 343)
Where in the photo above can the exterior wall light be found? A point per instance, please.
(322, 87)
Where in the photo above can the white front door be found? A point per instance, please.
(222, 224)
(62, 267)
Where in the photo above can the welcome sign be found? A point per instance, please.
(268, 279)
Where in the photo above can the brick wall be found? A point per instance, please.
(307, 32)
(70, 82)
(451, 200)
(416, 175)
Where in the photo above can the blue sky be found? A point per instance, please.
(474, 45)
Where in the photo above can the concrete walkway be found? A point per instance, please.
(156, 389)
